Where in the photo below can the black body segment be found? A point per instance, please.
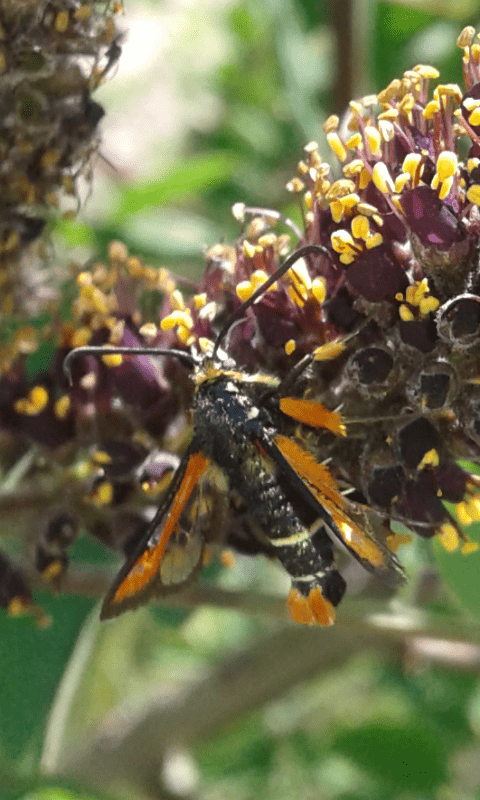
(236, 433)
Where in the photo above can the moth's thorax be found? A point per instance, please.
(228, 415)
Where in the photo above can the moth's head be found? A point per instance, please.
(210, 361)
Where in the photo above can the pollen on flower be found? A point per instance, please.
(290, 347)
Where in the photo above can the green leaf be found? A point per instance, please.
(461, 572)
(194, 174)
(32, 662)
(408, 758)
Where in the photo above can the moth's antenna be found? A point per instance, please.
(287, 264)
(94, 350)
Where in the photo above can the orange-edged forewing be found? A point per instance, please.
(348, 521)
(140, 577)
(312, 413)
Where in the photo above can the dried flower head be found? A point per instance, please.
(52, 56)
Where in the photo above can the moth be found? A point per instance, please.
(239, 421)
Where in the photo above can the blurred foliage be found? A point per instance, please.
(373, 727)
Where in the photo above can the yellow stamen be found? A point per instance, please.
(103, 494)
(405, 314)
(355, 142)
(382, 178)
(319, 290)
(336, 210)
(360, 226)
(375, 240)
(427, 72)
(112, 359)
(337, 146)
(81, 337)
(387, 131)
(449, 537)
(430, 459)
(473, 194)
(465, 38)
(205, 344)
(401, 181)
(469, 547)
(177, 318)
(428, 305)
(149, 330)
(410, 164)
(432, 108)
(61, 21)
(102, 457)
(329, 351)
(373, 138)
(342, 242)
(62, 406)
(295, 185)
(249, 249)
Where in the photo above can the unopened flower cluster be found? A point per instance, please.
(390, 310)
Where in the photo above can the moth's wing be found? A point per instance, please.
(149, 570)
(312, 413)
(349, 522)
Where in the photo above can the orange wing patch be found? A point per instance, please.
(324, 488)
(313, 413)
(146, 567)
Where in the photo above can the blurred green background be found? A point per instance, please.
(212, 103)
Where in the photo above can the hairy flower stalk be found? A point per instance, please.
(390, 311)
